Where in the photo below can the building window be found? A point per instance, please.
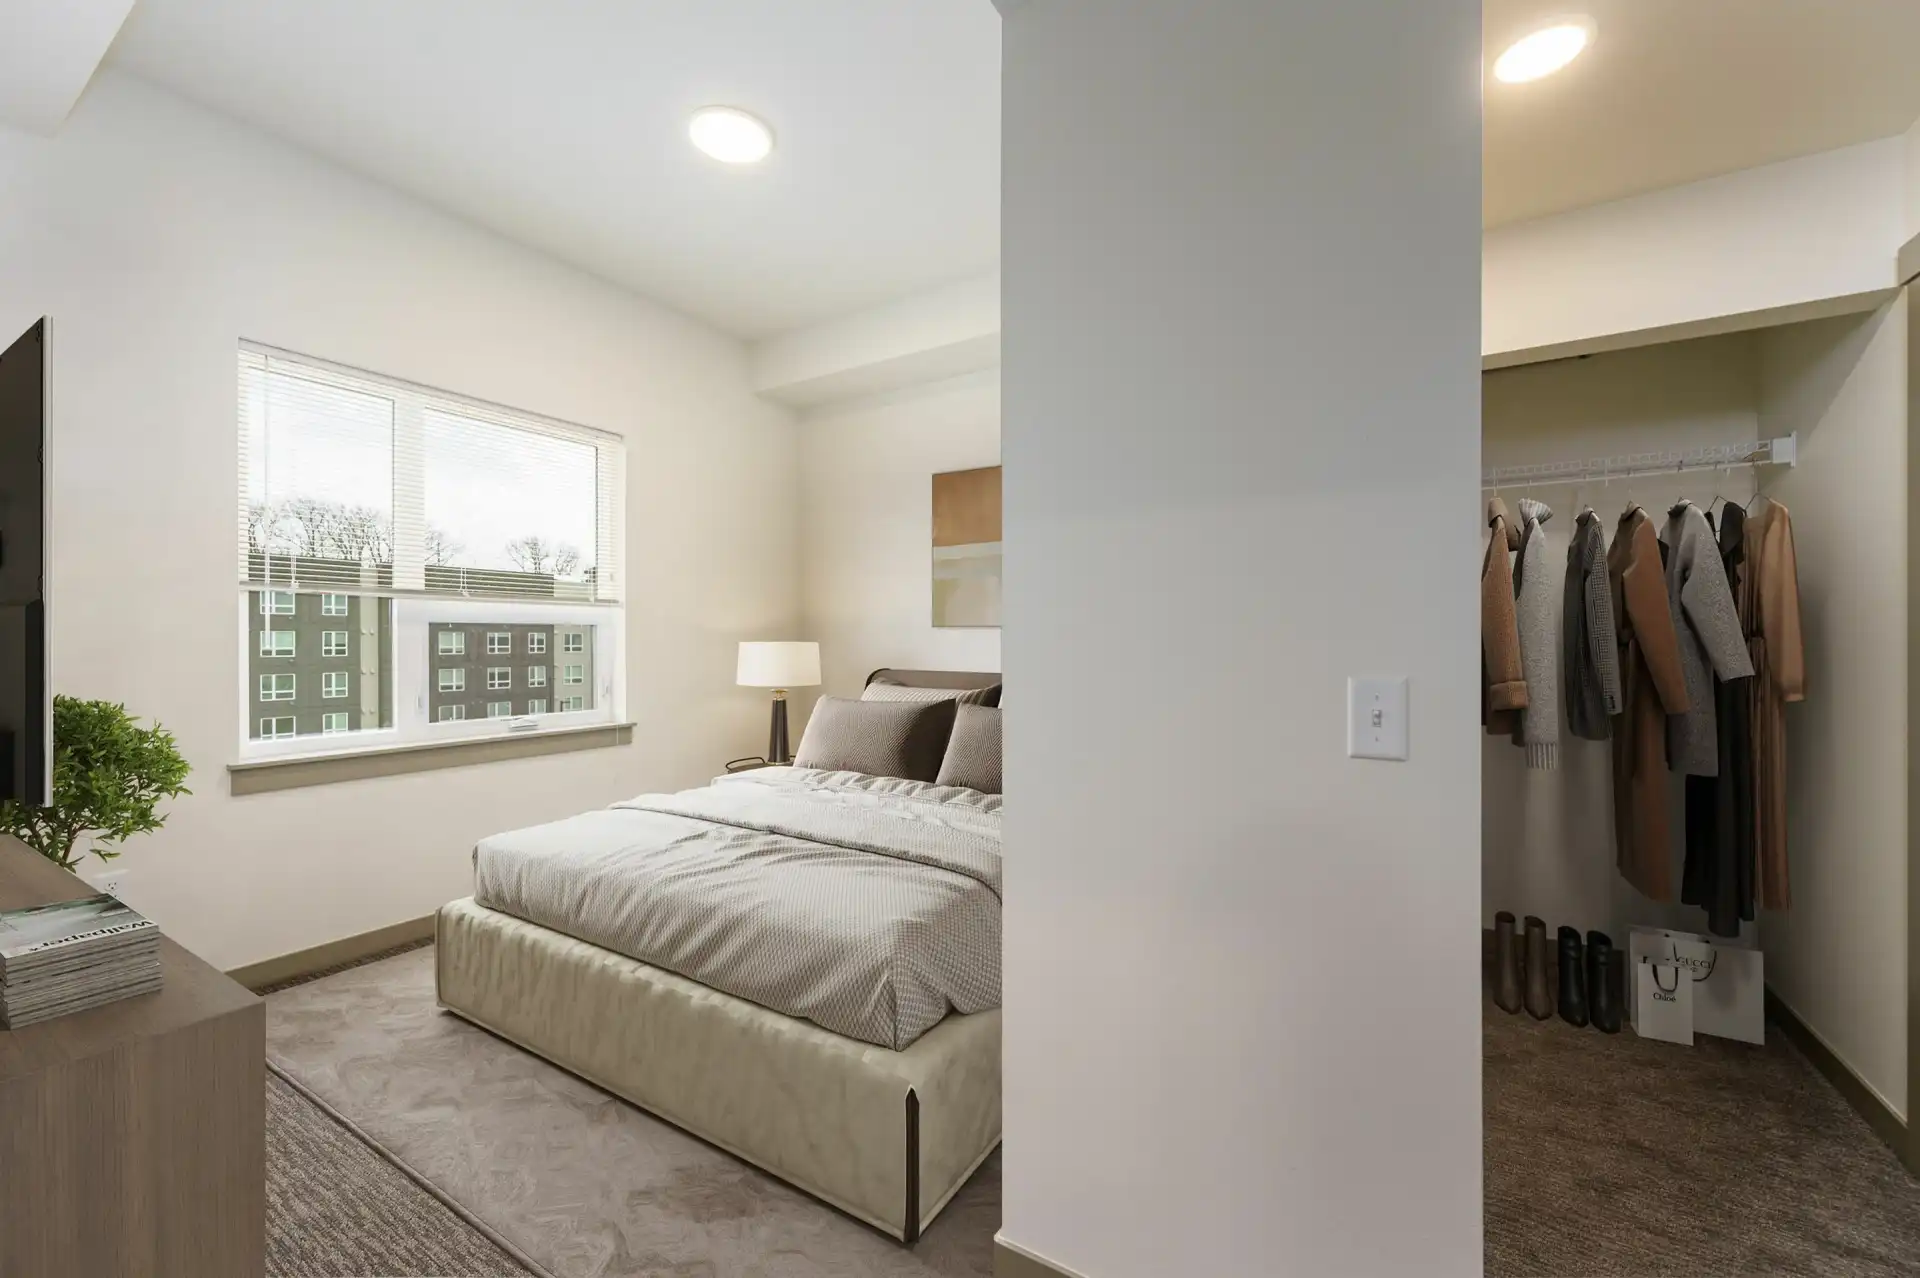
(537, 706)
(276, 643)
(536, 676)
(573, 641)
(573, 674)
(499, 677)
(333, 605)
(276, 687)
(452, 714)
(573, 703)
(333, 684)
(276, 603)
(336, 722)
(278, 729)
(453, 680)
(499, 709)
(452, 643)
(333, 643)
(536, 643)
(499, 641)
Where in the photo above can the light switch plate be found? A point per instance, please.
(1377, 718)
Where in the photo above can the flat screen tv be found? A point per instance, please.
(26, 709)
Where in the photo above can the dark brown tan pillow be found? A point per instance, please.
(879, 738)
(887, 690)
(973, 750)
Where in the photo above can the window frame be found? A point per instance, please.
(276, 719)
(345, 649)
(328, 683)
(536, 644)
(506, 646)
(326, 604)
(293, 687)
(442, 684)
(274, 654)
(327, 731)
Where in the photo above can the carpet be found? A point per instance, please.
(1612, 1154)
(582, 1183)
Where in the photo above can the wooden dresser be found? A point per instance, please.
(133, 1136)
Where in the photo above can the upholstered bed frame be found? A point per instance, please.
(888, 1137)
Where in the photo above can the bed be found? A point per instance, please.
(823, 995)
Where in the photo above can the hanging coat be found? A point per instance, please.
(1503, 684)
(1539, 727)
(1770, 607)
(1711, 642)
(1719, 874)
(1652, 688)
(1590, 662)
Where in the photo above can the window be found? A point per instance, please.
(331, 723)
(536, 706)
(536, 676)
(573, 703)
(333, 684)
(499, 677)
(276, 643)
(573, 674)
(573, 641)
(276, 729)
(425, 518)
(499, 709)
(276, 687)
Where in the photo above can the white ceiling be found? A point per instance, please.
(1675, 90)
(563, 125)
(49, 54)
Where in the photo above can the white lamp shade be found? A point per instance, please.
(778, 665)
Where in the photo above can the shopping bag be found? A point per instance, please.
(1729, 979)
(1663, 1003)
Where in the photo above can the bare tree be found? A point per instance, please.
(441, 549)
(536, 554)
(361, 533)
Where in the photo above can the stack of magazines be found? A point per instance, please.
(64, 958)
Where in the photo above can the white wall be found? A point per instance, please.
(1241, 397)
(932, 336)
(866, 518)
(1547, 843)
(156, 236)
(1838, 957)
(1911, 145)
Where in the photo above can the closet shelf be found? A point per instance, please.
(1764, 452)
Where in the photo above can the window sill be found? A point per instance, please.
(265, 775)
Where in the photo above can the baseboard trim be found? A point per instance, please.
(350, 949)
(1010, 1261)
(1863, 1099)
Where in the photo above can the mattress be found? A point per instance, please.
(868, 906)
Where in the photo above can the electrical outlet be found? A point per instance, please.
(110, 883)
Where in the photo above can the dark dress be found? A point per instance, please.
(1720, 837)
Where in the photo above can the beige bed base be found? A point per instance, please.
(888, 1137)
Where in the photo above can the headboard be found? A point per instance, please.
(937, 678)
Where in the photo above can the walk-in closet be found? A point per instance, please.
(1789, 444)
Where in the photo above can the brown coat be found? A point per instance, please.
(1769, 604)
(1503, 683)
(1654, 687)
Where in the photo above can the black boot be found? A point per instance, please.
(1573, 978)
(1506, 964)
(1539, 994)
(1602, 999)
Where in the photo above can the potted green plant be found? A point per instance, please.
(109, 777)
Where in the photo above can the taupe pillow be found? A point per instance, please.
(879, 738)
(973, 750)
(888, 690)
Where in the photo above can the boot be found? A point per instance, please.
(1573, 979)
(1506, 963)
(1539, 997)
(1602, 995)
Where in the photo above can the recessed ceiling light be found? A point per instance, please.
(1545, 51)
(730, 135)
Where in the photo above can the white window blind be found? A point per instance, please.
(358, 482)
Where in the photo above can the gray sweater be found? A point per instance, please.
(1708, 627)
(1590, 660)
(1539, 728)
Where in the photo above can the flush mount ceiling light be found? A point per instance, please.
(1545, 51)
(731, 135)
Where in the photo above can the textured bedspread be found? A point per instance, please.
(869, 906)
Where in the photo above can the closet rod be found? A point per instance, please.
(1784, 451)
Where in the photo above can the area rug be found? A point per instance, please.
(576, 1181)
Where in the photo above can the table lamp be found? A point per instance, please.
(778, 666)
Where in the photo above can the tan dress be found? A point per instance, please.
(1653, 687)
(1769, 602)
